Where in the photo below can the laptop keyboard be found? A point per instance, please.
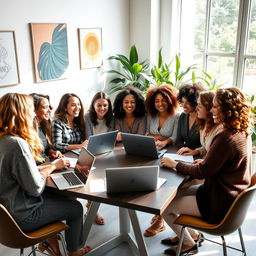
(82, 177)
(71, 178)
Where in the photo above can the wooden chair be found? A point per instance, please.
(12, 236)
(231, 222)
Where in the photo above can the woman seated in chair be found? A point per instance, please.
(225, 169)
(22, 182)
(99, 118)
(162, 124)
(129, 112)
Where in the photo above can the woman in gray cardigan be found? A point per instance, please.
(22, 182)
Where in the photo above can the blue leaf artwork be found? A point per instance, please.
(53, 57)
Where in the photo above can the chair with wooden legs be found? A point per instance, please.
(12, 236)
(230, 223)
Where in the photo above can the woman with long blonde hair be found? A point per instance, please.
(22, 183)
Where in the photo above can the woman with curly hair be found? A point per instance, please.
(68, 127)
(225, 169)
(205, 123)
(161, 104)
(188, 133)
(129, 112)
(100, 116)
(43, 124)
(22, 182)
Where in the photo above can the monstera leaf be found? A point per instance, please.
(53, 57)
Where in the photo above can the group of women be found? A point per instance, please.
(213, 125)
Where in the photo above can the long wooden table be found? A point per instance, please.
(151, 202)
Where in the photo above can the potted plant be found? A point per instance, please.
(131, 73)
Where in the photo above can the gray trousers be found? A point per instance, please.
(57, 208)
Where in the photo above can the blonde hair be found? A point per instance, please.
(14, 112)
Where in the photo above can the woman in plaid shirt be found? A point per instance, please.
(68, 128)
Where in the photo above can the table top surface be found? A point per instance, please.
(152, 202)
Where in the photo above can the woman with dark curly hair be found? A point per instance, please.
(188, 133)
(100, 116)
(161, 104)
(129, 112)
(225, 169)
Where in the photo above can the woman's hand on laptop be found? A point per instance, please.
(165, 161)
(84, 144)
(161, 144)
(83, 168)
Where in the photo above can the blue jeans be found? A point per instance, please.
(57, 208)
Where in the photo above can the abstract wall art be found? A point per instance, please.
(50, 50)
(9, 71)
(90, 47)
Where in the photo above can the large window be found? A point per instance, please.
(220, 37)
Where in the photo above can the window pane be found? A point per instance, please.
(250, 76)
(221, 68)
(223, 25)
(251, 47)
(192, 26)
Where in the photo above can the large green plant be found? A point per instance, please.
(162, 73)
(131, 73)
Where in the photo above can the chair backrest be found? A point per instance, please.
(237, 212)
(10, 233)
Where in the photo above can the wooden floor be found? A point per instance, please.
(99, 234)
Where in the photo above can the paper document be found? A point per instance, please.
(71, 160)
(180, 158)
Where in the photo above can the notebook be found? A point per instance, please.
(100, 143)
(69, 178)
(141, 145)
(133, 179)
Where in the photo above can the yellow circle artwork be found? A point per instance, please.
(91, 46)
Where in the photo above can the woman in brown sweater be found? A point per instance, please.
(224, 168)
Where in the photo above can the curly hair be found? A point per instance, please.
(139, 111)
(170, 95)
(190, 92)
(45, 124)
(14, 112)
(92, 113)
(206, 99)
(60, 112)
(236, 109)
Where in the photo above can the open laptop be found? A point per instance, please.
(68, 178)
(133, 179)
(141, 145)
(101, 143)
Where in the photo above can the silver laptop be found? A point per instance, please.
(100, 143)
(69, 178)
(141, 145)
(133, 179)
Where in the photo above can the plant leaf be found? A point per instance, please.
(133, 55)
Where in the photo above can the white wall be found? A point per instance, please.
(111, 15)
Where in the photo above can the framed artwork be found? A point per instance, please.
(9, 71)
(50, 51)
(90, 47)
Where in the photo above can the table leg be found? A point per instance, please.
(89, 219)
(137, 232)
